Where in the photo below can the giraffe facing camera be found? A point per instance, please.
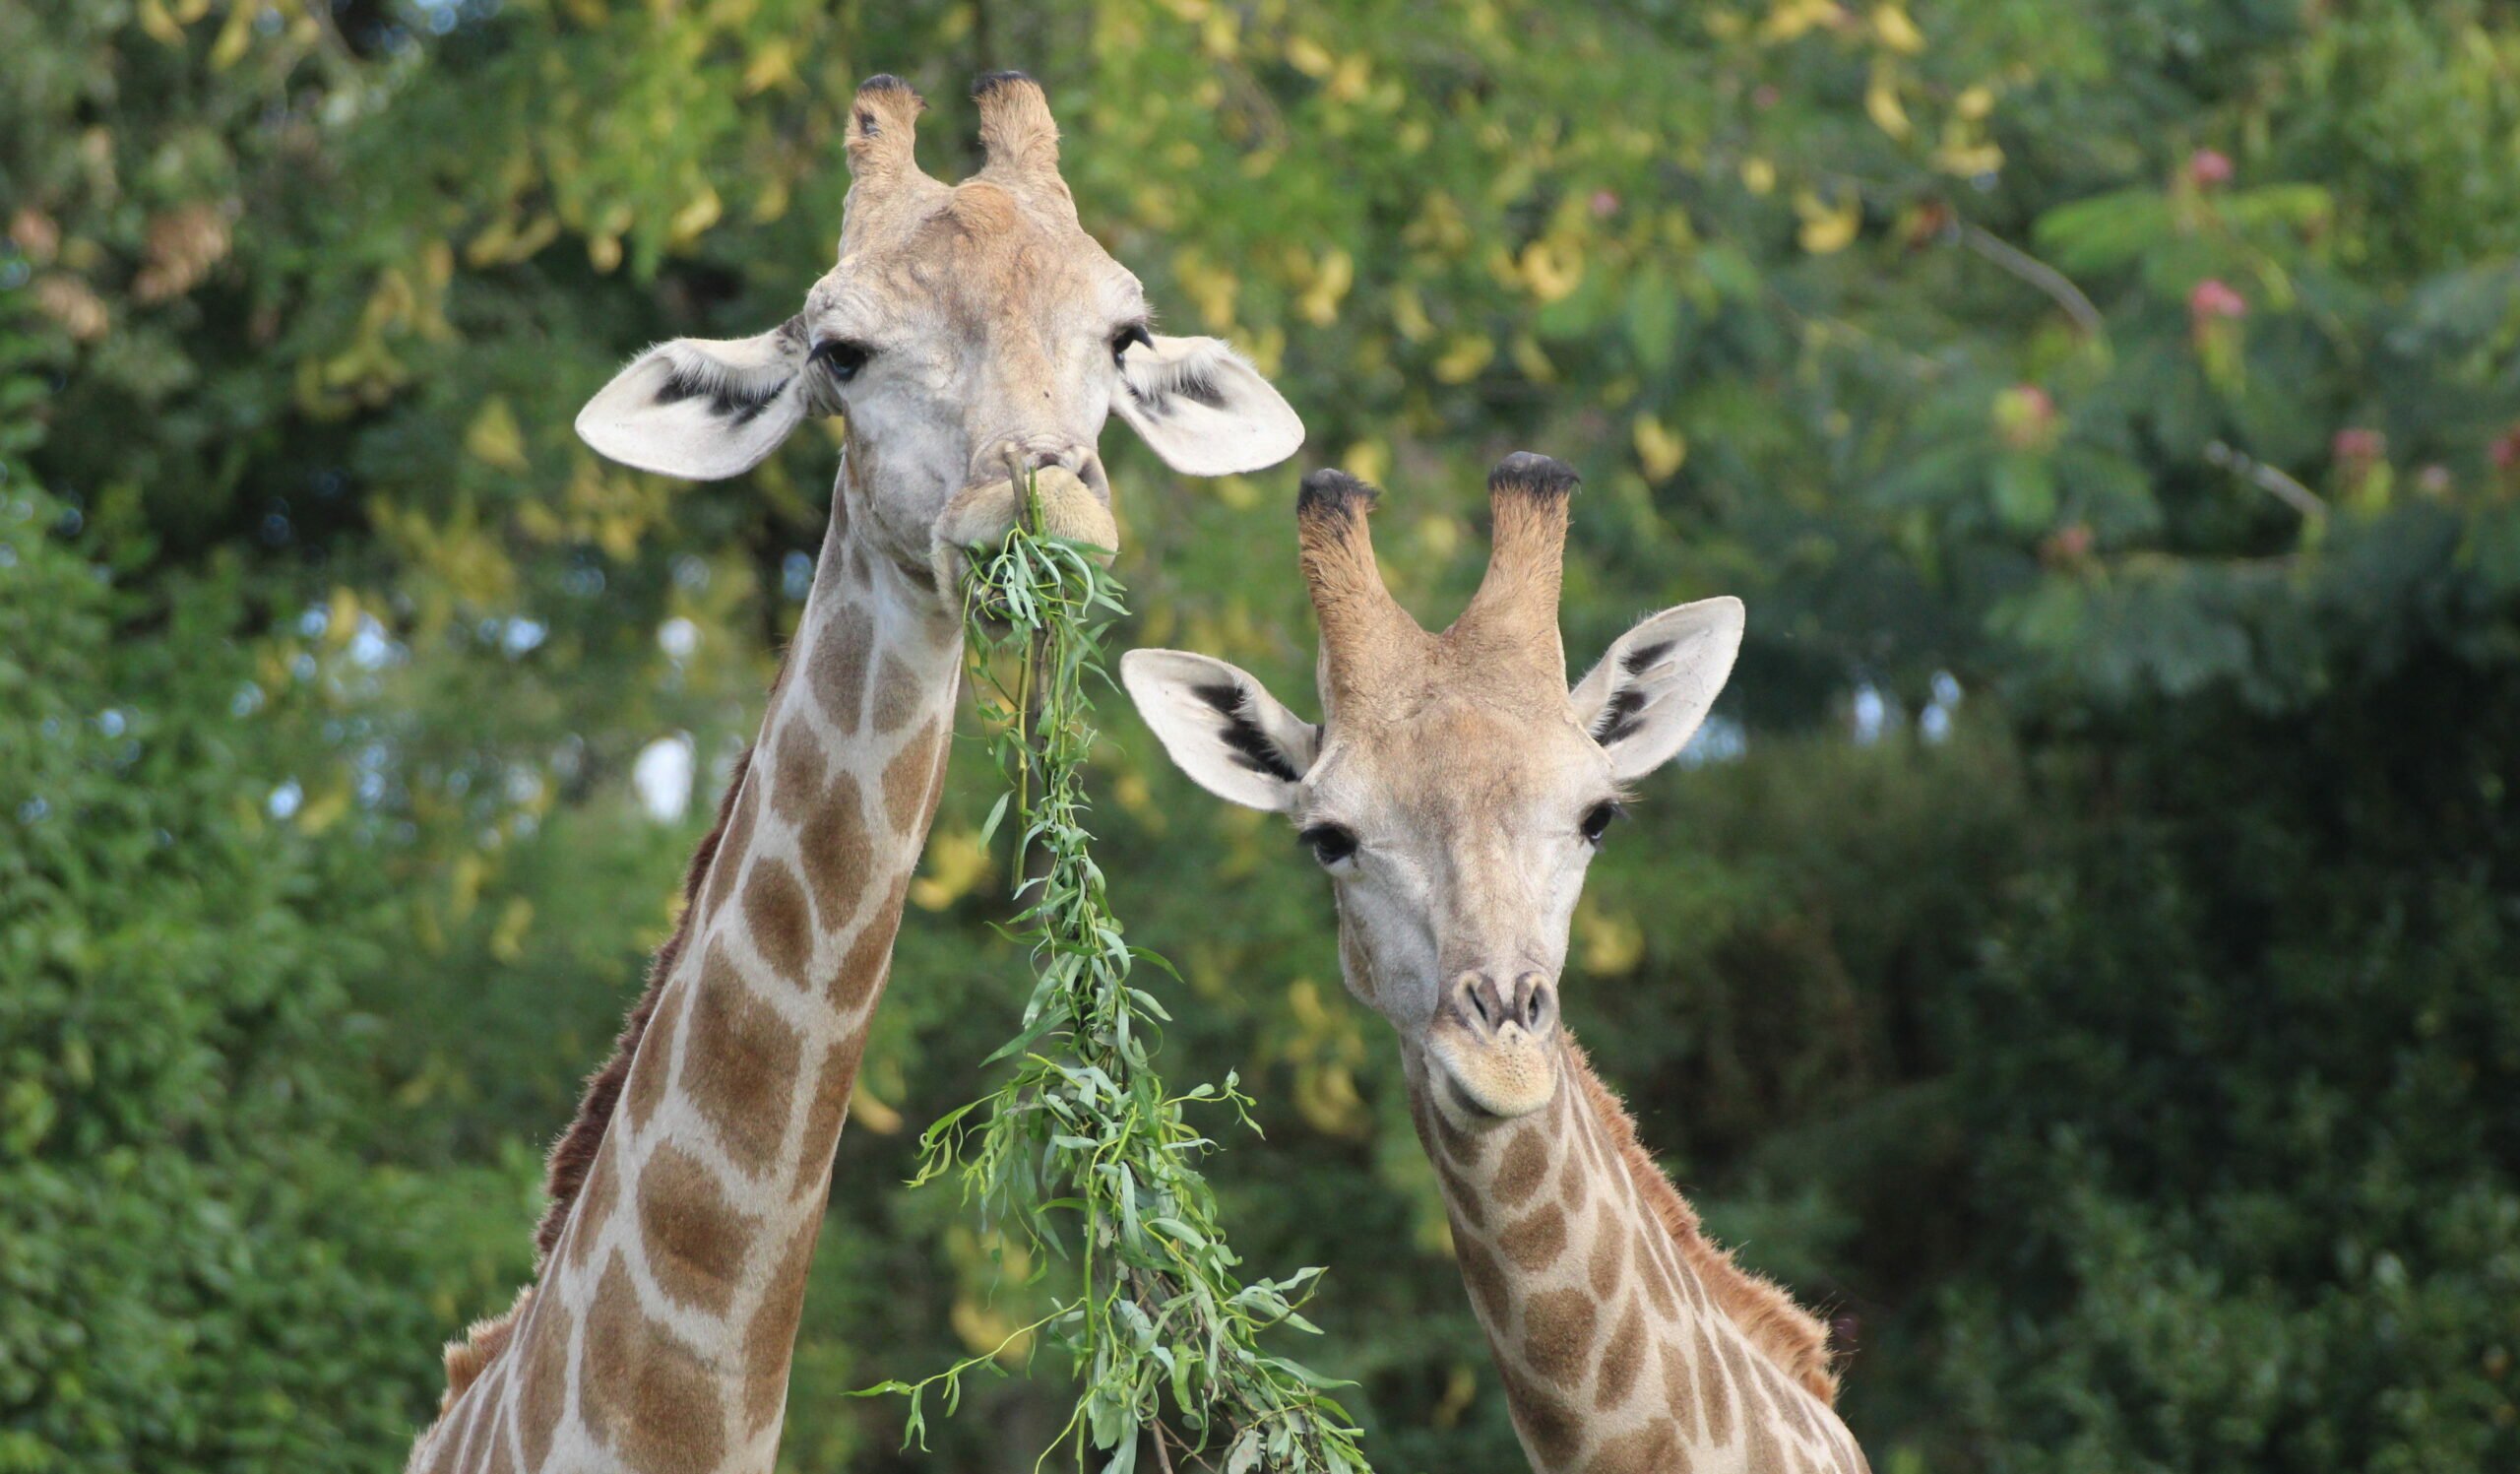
(1455, 792)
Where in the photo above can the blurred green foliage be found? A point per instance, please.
(2083, 961)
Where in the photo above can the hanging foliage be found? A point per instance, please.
(1084, 1150)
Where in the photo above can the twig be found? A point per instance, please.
(2266, 477)
(2037, 273)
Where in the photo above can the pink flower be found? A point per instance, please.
(2024, 418)
(2506, 449)
(2213, 298)
(2208, 167)
(1765, 95)
(2357, 446)
(2067, 546)
(1604, 204)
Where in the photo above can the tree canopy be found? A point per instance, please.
(2078, 956)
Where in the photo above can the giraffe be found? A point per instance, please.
(1455, 791)
(974, 337)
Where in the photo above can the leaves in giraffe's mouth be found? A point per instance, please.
(1084, 1151)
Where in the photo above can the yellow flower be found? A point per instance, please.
(1957, 156)
(1881, 101)
(774, 65)
(1330, 283)
(1827, 228)
(507, 939)
(870, 1113)
(1531, 360)
(957, 863)
(694, 217)
(1896, 30)
(1614, 943)
(1551, 269)
(1367, 460)
(1409, 314)
(1660, 448)
(1758, 176)
(494, 438)
(1464, 358)
(1309, 57)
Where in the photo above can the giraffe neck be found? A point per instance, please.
(661, 1333)
(1616, 1353)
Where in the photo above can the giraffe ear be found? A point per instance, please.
(1204, 407)
(1652, 687)
(1221, 726)
(703, 408)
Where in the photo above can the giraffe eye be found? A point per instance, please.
(842, 358)
(1122, 341)
(1330, 843)
(1597, 821)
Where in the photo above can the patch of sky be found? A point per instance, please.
(1871, 713)
(1719, 738)
(661, 777)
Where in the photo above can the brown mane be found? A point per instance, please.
(573, 1155)
(1785, 1332)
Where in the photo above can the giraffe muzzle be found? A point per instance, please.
(1067, 484)
(1497, 1039)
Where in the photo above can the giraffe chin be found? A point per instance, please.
(981, 516)
(1500, 1079)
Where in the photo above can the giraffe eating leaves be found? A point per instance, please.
(1455, 792)
(976, 339)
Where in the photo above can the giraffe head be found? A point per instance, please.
(1457, 787)
(972, 334)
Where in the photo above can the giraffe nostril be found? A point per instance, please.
(1475, 1002)
(1536, 1001)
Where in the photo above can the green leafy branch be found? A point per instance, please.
(1084, 1134)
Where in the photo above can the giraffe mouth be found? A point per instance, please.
(1074, 507)
(1496, 1079)
(1466, 1103)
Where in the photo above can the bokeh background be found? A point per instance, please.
(2081, 954)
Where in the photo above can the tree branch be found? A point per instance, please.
(2267, 478)
(2013, 258)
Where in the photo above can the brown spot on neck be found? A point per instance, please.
(1651, 1449)
(1534, 1241)
(770, 1341)
(909, 777)
(837, 853)
(741, 1064)
(695, 1238)
(869, 960)
(1525, 1163)
(1558, 1334)
(645, 1394)
(575, 1151)
(1551, 1429)
(895, 697)
(654, 1066)
(543, 1384)
(776, 914)
(1622, 1356)
(837, 665)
